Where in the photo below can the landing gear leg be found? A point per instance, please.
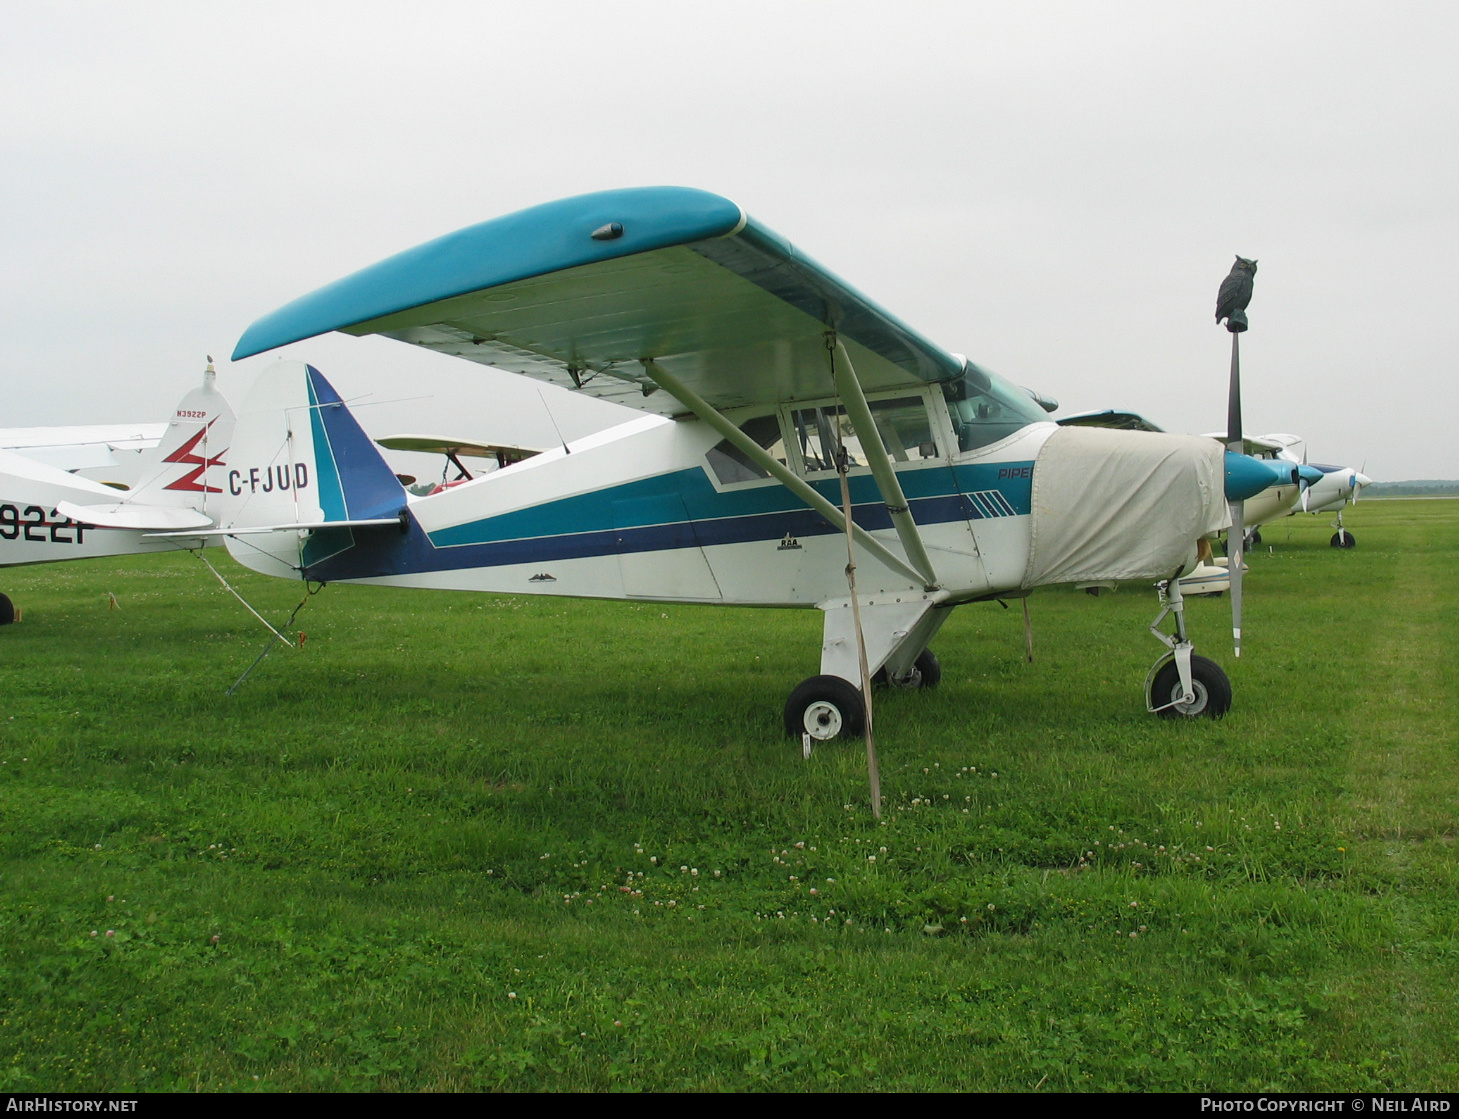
(1181, 684)
(1342, 538)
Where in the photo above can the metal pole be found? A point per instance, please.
(873, 770)
(843, 373)
(1027, 632)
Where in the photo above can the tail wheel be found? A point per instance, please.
(1342, 538)
(825, 707)
(1211, 686)
(7, 610)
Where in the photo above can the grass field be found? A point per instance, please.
(465, 842)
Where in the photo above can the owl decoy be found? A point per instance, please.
(1235, 294)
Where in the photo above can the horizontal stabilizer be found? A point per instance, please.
(301, 526)
(127, 515)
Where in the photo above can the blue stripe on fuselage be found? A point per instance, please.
(594, 511)
(583, 526)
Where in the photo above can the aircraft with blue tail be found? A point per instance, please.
(775, 398)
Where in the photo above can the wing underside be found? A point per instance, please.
(726, 306)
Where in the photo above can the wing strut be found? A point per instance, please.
(776, 469)
(854, 399)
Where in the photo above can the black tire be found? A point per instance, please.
(825, 707)
(1255, 537)
(1342, 538)
(926, 673)
(1212, 688)
(7, 610)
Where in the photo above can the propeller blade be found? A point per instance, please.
(1235, 547)
(1236, 535)
(1359, 481)
(1306, 489)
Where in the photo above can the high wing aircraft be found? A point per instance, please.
(1328, 489)
(48, 514)
(770, 388)
(1338, 488)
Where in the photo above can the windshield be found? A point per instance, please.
(985, 408)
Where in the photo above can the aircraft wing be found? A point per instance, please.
(1123, 421)
(82, 446)
(576, 292)
(1259, 446)
(446, 445)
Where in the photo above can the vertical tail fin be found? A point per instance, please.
(300, 458)
(184, 469)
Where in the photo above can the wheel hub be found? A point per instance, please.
(1197, 703)
(823, 720)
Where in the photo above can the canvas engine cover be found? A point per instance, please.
(1116, 505)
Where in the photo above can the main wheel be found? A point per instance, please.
(1342, 538)
(926, 672)
(825, 707)
(7, 610)
(1255, 537)
(1211, 686)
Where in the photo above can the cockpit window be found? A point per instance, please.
(731, 465)
(903, 423)
(985, 408)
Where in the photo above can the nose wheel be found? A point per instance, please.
(1210, 690)
(1182, 685)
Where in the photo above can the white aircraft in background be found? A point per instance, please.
(788, 421)
(1339, 488)
(49, 514)
(1332, 492)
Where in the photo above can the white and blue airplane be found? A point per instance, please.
(48, 514)
(775, 397)
(1328, 489)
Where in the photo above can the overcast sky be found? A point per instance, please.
(1054, 189)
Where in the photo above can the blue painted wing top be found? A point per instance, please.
(677, 275)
